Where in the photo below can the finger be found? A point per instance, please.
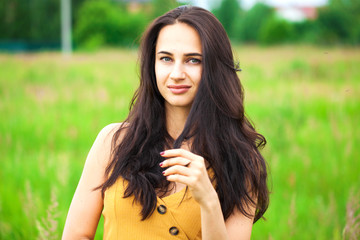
(175, 161)
(177, 169)
(181, 153)
(179, 179)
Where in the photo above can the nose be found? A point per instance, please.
(177, 73)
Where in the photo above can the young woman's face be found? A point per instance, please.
(178, 64)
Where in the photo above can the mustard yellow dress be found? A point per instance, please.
(176, 216)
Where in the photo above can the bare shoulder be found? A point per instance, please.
(100, 152)
(106, 134)
(87, 204)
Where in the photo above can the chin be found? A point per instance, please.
(179, 104)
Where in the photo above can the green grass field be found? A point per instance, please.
(305, 100)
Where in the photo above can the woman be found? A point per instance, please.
(185, 163)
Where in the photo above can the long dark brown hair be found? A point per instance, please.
(217, 126)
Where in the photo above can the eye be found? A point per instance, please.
(165, 59)
(194, 61)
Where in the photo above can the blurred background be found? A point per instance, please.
(33, 25)
(69, 67)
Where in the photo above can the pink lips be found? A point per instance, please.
(178, 89)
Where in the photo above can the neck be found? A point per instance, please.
(175, 120)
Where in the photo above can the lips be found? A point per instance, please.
(179, 89)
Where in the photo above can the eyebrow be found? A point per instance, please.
(187, 54)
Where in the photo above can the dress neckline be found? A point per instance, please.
(173, 195)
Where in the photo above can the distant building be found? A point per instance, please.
(297, 10)
(297, 13)
(135, 6)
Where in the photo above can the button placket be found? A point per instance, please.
(175, 229)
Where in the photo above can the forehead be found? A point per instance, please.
(178, 37)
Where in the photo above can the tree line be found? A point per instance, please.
(336, 23)
(95, 23)
(113, 23)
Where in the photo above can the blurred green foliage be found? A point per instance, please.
(32, 21)
(104, 23)
(276, 30)
(249, 24)
(159, 7)
(115, 23)
(227, 13)
(337, 23)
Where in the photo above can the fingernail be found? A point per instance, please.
(162, 153)
(163, 172)
(160, 164)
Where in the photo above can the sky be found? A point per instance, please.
(246, 4)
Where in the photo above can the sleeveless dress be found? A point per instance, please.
(177, 216)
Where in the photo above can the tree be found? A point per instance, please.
(36, 21)
(159, 7)
(339, 22)
(249, 26)
(228, 13)
(276, 31)
(103, 22)
(14, 20)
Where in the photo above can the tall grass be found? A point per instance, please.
(352, 227)
(305, 101)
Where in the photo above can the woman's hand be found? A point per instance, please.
(188, 168)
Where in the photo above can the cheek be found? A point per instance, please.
(196, 74)
(157, 75)
(156, 70)
(160, 73)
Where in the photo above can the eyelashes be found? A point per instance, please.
(194, 61)
(190, 60)
(165, 59)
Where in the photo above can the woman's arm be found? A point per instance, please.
(87, 204)
(188, 168)
(237, 226)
